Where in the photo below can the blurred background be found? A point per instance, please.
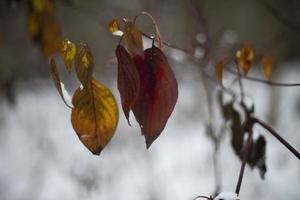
(41, 156)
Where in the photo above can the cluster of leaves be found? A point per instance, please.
(234, 112)
(43, 27)
(146, 83)
(94, 112)
(245, 58)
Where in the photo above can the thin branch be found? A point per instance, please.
(278, 137)
(271, 83)
(158, 36)
(245, 158)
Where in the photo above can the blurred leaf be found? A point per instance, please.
(56, 80)
(133, 38)
(84, 65)
(94, 116)
(33, 26)
(238, 132)
(158, 93)
(257, 155)
(219, 72)
(266, 64)
(38, 5)
(245, 57)
(68, 52)
(227, 110)
(128, 80)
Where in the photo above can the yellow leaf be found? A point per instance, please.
(266, 64)
(133, 38)
(84, 65)
(56, 80)
(38, 5)
(94, 116)
(33, 25)
(68, 52)
(219, 72)
(245, 57)
(114, 28)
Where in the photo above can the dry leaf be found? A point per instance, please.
(128, 80)
(56, 80)
(94, 116)
(68, 52)
(245, 57)
(114, 28)
(84, 65)
(133, 38)
(158, 93)
(219, 72)
(266, 64)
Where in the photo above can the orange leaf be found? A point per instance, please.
(128, 80)
(133, 38)
(94, 116)
(245, 57)
(266, 64)
(114, 28)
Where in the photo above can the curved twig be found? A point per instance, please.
(158, 36)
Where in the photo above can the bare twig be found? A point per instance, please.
(245, 158)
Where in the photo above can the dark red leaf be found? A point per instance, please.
(128, 80)
(158, 93)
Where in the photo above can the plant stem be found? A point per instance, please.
(278, 137)
(245, 158)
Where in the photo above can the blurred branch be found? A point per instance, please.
(279, 16)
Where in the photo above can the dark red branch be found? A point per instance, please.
(278, 137)
(245, 158)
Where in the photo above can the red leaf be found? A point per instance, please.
(158, 93)
(128, 80)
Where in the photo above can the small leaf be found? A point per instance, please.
(133, 38)
(68, 53)
(128, 80)
(219, 72)
(245, 57)
(38, 5)
(237, 131)
(114, 28)
(266, 64)
(94, 116)
(56, 80)
(158, 93)
(33, 26)
(84, 65)
(257, 155)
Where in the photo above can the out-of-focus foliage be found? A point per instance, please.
(43, 26)
(245, 57)
(266, 65)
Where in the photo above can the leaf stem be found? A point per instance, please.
(278, 137)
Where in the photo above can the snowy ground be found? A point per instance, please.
(42, 158)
